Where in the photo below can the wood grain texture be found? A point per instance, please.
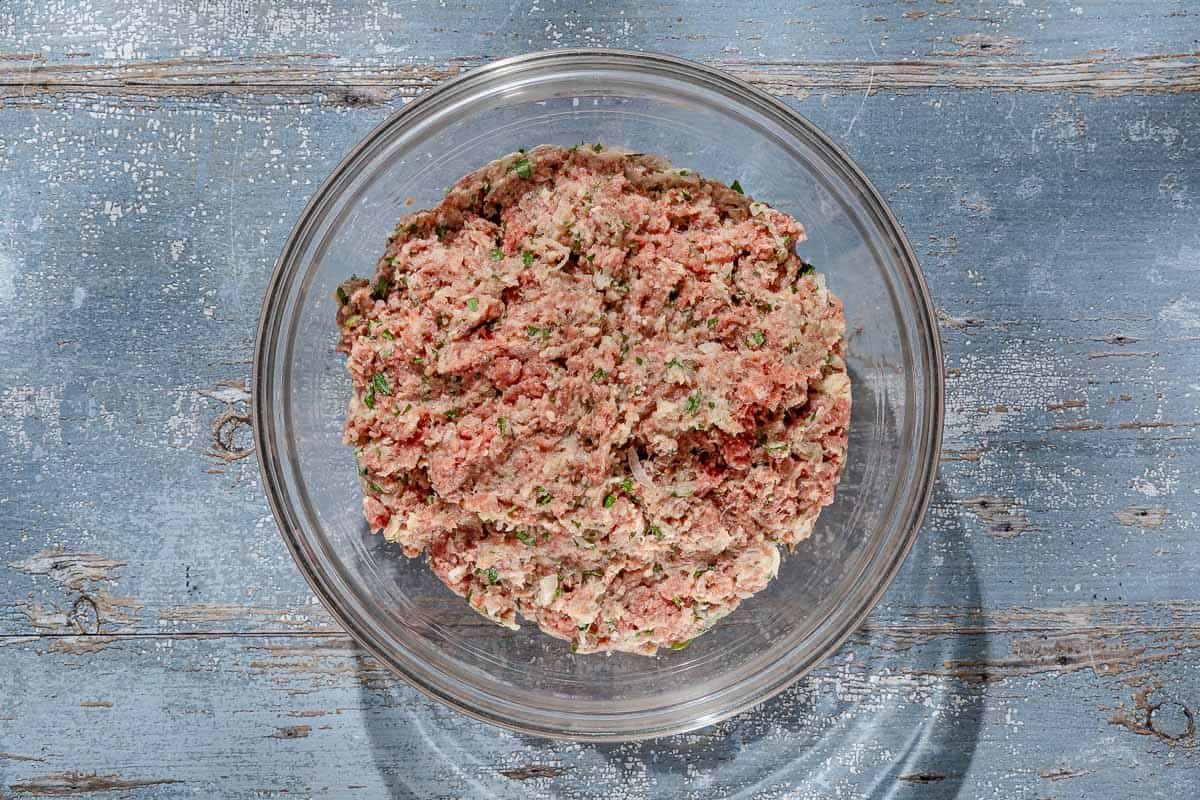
(335, 83)
(1042, 639)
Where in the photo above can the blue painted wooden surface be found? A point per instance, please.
(156, 640)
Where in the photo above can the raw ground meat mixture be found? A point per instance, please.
(597, 391)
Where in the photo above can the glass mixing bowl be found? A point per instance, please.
(698, 118)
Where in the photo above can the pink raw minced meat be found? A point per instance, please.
(597, 391)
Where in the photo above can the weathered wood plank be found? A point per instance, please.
(336, 83)
(364, 30)
(885, 713)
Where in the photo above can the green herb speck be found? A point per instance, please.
(500, 424)
(693, 404)
(599, 375)
(736, 186)
(759, 337)
(382, 287)
(627, 486)
(525, 538)
(472, 304)
(522, 168)
(497, 254)
(492, 576)
(609, 500)
(342, 296)
(680, 645)
(597, 147)
(658, 534)
(543, 497)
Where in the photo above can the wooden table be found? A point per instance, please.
(156, 639)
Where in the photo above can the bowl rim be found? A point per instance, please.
(923, 307)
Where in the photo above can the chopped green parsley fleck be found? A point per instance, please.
(523, 168)
(599, 375)
(472, 304)
(342, 296)
(736, 186)
(609, 500)
(527, 258)
(525, 538)
(500, 424)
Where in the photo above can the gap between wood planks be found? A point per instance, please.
(375, 85)
(1113, 619)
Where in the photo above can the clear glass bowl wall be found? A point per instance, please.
(702, 120)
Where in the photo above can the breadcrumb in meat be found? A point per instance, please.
(598, 392)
